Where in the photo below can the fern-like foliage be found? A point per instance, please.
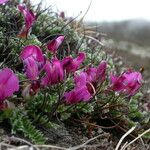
(21, 123)
(38, 110)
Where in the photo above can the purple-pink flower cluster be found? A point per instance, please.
(39, 69)
(9, 83)
(128, 82)
(48, 72)
(86, 83)
(43, 72)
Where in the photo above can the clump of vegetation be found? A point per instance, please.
(50, 72)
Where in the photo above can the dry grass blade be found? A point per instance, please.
(81, 20)
(123, 137)
(94, 39)
(125, 146)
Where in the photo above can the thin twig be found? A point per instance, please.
(123, 129)
(84, 144)
(97, 126)
(50, 146)
(6, 145)
(24, 147)
(24, 141)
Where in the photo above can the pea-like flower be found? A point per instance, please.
(29, 18)
(31, 68)
(3, 1)
(33, 61)
(97, 75)
(77, 95)
(71, 65)
(9, 83)
(32, 51)
(54, 44)
(53, 73)
(128, 82)
(83, 90)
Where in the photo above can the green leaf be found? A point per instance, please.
(147, 135)
(21, 123)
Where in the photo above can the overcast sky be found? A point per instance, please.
(103, 10)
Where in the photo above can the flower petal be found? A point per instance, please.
(28, 16)
(79, 59)
(128, 82)
(53, 45)
(3, 1)
(32, 51)
(91, 74)
(81, 79)
(57, 72)
(77, 95)
(101, 71)
(54, 73)
(9, 83)
(31, 68)
(71, 65)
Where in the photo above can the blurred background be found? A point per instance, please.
(125, 24)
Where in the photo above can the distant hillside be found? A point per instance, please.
(137, 31)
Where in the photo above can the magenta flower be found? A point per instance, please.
(91, 74)
(54, 44)
(71, 65)
(31, 68)
(29, 18)
(85, 83)
(9, 83)
(32, 51)
(97, 75)
(33, 61)
(80, 80)
(101, 71)
(83, 90)
(3, 1)
(128, 83)
(77, 95)
(54, 73)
